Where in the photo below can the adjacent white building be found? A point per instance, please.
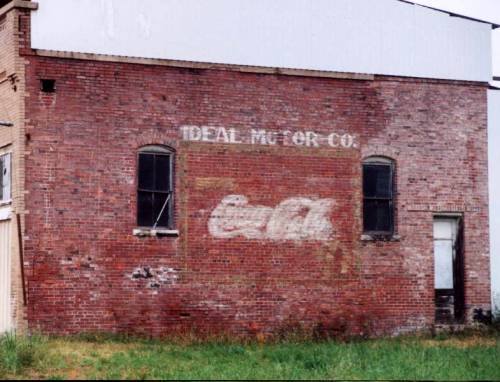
(389, 37)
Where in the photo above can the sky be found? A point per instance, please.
(481, 9)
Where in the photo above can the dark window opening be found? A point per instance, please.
(48, 86)
(378, 196)
(155, 189)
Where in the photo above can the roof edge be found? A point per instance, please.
(26, 4)
(453, 14)
(240, 68)
(202, 65)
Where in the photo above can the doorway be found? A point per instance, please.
(449, 269)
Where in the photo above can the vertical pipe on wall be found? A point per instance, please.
(21, 256)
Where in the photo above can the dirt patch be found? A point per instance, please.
(462, 343)
(78, 357)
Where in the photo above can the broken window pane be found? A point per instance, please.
(158, 205)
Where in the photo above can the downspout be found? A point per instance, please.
(21, 257)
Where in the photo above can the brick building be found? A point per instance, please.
(151, 193)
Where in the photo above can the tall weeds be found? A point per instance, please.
(18, 353)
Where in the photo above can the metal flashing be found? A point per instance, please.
(204, 65)
(453, 14)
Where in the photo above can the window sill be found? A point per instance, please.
(159, 232)
(380, 237)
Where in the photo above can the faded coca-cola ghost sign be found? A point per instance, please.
(294, 219)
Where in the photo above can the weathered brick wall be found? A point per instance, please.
(7, 68)
(85, 264)
(12, 93)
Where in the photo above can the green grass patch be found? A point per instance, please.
(470, 356)
(18, 354)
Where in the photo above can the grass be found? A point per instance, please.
(17, 353)
(472, 356)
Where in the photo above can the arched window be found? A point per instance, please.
(155, 191)
(378, 196)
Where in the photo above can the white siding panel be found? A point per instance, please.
(496, 53)
(364, 36)
(396, 38)
(5, 276)
(494, 161)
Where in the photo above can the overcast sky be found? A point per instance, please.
(482, 9)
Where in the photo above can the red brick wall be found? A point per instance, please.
(81, 178)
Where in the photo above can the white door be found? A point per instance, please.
(445, 236)
(5, 276)
(449, 270)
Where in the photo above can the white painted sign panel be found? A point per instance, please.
(362, 36)
(263, 137)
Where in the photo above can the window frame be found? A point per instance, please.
(158, 150)
(6, 201)
(387, 162)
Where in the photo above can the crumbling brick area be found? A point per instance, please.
(88, 272)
